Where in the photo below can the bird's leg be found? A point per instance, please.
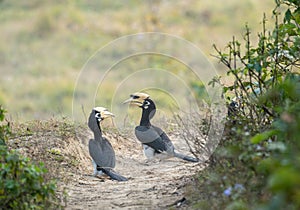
(95, 168)
(152, 155)
(97, 171)
(148, 152)
(100, 173)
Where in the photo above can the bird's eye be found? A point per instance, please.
(98, 116)
(146, 103)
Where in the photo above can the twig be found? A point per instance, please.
(84, 114)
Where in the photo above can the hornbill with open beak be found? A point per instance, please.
(100, 149)
(154, 139)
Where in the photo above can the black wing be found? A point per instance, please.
(149, 136)
(170, 146)
(102, 153)
(155, 138)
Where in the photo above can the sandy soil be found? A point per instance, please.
(156, 184)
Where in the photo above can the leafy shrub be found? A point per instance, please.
(281, 167)
(257, 162)
(4, 129)
(22, 184)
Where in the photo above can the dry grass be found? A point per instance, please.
(62, 147)
(54, 143)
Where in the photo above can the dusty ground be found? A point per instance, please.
(152, 185)
(158, 184)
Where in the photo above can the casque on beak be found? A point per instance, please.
(104, 113)
(137, 99)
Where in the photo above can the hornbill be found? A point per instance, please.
(153, 139)
(100, 149)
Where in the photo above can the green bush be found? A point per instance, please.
(257, 164)
(4, 129)
(22, 184)
(281, 167)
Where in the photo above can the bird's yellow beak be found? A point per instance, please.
(107, 114)
(104, 112)
(137, 99)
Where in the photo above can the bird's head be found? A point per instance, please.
(97, 115)
(102, 113)
(141, 100)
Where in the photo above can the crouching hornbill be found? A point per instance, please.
(153, 139)
(100, 149)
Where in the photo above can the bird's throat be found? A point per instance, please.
(98, 132)
(147, 114)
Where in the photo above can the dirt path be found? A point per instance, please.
(152, 185)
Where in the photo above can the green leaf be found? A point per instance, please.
(10, 184)
(263, 136)
(287, 16)
(284, 179)
(257, 67)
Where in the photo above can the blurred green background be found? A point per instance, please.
(44, 44)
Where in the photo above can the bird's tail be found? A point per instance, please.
(114, 175)
(185, 157)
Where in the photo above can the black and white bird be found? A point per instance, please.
(100, 149)
(153, 139)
